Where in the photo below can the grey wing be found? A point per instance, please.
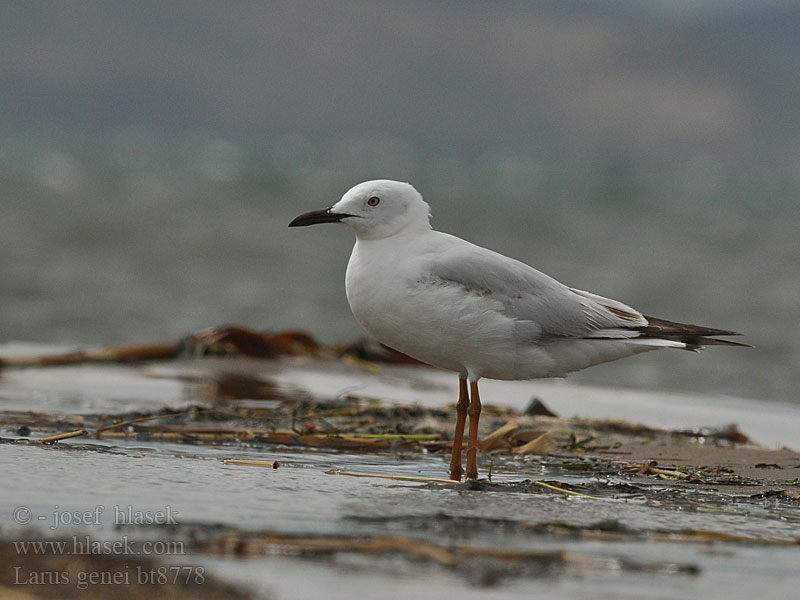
(525, 294)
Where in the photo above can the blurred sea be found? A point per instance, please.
(133, 236)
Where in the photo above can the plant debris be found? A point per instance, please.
(227, 340)
(270, 415)
(491, 564)
(704, 486)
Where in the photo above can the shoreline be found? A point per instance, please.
(306, 466)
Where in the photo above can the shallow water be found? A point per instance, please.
(300, 497)
(202, 494)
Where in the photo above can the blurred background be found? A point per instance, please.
(152, 153)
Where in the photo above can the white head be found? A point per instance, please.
(374, 210)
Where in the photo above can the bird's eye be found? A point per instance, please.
(374, 201)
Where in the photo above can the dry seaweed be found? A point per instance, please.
(227, 340)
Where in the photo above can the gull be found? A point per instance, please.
(460, 307)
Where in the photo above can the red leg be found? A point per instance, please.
(474, 417)
(458, 437)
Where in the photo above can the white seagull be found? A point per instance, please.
(463, 308)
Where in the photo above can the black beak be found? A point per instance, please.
(318, 216)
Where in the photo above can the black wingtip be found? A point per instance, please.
(694, 336)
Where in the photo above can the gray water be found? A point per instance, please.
(133, 236)
(103, 478)
(300, 497)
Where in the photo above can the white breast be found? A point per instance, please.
(441, 324)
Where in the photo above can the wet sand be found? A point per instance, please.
(599, 505)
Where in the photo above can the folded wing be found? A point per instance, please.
(523, 293)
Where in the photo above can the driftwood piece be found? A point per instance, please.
(61, 436)
(250, 462)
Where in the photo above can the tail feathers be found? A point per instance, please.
(694, 337)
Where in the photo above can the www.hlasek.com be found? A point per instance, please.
(86, 545)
